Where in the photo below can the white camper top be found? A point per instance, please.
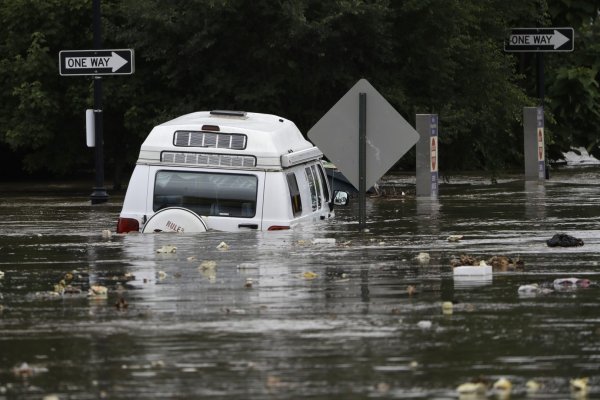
(228, 139)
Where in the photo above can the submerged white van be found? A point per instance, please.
(228, 171)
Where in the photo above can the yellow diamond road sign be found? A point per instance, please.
(389, 136)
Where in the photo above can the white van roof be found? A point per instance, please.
(228, 139)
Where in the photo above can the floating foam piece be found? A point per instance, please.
(469, 270)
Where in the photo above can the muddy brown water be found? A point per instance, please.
(278, 316)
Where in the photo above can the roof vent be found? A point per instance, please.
(208, 159)
(233, 141)
(228, 113)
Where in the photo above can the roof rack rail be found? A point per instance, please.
(228, 113)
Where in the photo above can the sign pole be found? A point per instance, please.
(99, 194)
(362, 160)
(427, 155)
(540, 78)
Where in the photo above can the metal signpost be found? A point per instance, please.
(427, 155)
(539, 41)
(95, 63)
(373, 142)
(533, 129)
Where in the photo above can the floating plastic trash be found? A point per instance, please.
(329, 241)
(167, 249)
(469, 270)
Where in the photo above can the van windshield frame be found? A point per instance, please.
(207, 193)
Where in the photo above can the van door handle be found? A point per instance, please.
(251, 226)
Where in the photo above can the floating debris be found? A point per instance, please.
(579, 385)
(121, 304)
(422, 258)
(309, 275)
(192, 258)
(208, 265)
(248, 283)
(97, 291)
(244, 266)
(106, 234)
(472, 388)
(480, 270)
(502, 386)
(161, 275)
(455, 238)
(326, 241)
(564, 240)
(424, 324)
(571, 283)
(382, 387)
(223, 246)
(1, 274)
(24, 370)
(532, 386)
(167, 249)
(410, 290)
(447, 308)
(498, 263)
(533, 289)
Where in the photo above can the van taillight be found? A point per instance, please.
(278, 227)
(125, 225)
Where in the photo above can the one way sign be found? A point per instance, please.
(539, 40)
(96, 62)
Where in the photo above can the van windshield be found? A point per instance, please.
(207, 193)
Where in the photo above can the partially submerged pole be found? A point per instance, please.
(362, 160)
(427, 155)
(533, 140)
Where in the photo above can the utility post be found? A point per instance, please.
(99, 194)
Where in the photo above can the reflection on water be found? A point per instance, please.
(278, 315)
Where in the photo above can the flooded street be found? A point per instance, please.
(289, 315)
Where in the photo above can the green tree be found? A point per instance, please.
(42, 114)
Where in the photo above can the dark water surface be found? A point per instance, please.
(279, 316)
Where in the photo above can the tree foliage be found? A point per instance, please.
(293, 58)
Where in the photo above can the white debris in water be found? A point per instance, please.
(106, 234)
(223, 246)
(97, 291)
(455, 238)
(424, 324)
(167, 249)
(531, 288)
(423, 258)
(447, 307)
(580, 156)
(1, 274)
(328, 241)
(208, 265)
(161, 274)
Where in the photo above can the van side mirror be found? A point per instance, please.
(340, 198)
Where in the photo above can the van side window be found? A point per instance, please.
(319, 185)
(326, 191)
(294, 194)
(312, 185)
(207, 193)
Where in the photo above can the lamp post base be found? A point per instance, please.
(99, 195)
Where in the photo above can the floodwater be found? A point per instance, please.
(279, 316)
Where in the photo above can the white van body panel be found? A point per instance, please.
(237, 172)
